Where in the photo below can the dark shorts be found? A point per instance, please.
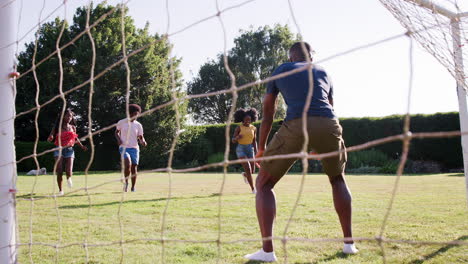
(325, 135)
(66, 152)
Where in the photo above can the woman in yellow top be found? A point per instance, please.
(245, 136)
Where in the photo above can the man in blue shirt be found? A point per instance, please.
(325, 135)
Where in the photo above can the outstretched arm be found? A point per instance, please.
(269, 109)
(83, 147)
(77, 140)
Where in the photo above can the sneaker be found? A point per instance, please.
(245, 178)
(262, 256)
(125, 186)
(60, 193)
(350, 249)
(254, 191)
(69, 182)
(133, 189)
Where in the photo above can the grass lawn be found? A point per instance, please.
(427, 208)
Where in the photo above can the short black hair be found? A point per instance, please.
(132, 108)
(296, 48)
(241, 113)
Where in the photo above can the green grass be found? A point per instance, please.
(427, 208)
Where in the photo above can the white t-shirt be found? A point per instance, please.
(136, 130)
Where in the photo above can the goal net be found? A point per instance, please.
(441, 29)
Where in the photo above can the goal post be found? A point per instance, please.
(462, 93)
(7, 134)
(406, 12)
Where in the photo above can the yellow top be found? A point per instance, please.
(247, 134)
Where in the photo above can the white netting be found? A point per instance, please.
(430, 26)
(432, 30)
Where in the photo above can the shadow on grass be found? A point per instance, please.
(34, 196)
(437, 252)
(456, 175)
(337, 255)
(75, 173)
(75, 206)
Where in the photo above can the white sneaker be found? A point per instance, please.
(69, 182)
(245, 178)
(254, 191)
(350, 249)
(60, 193)
(262, 256)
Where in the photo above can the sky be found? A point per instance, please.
(372, 82)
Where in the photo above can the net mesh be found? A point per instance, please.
(435, 32)
(431, 30)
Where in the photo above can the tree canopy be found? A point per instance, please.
(254, 56)
(150, 76)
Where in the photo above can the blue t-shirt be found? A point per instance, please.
(295, 87)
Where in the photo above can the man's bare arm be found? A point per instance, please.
(117, 137)
(269, 109)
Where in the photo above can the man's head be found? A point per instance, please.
(296, 52)
(134, 109)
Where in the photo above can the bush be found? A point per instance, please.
(390, 167)
(297, 166)
(219, 157)
(216, 157)
(421, 166)
(314, 166)
(366, 158)
(364, 170)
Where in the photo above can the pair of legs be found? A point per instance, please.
(66, 155)
(249, 168)
(130, 168)
(59, 161)
(130, 158)
(325, 135)
(245, 151)
(266, 206)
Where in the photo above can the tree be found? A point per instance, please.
(254, 56)
(211, 77)
(150, 77)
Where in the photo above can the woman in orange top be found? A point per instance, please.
(65, 137)
(245, 136)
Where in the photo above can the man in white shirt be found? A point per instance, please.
(129, 132)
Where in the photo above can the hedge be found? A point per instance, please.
(446, 151)
(200, 144)
(210, 139)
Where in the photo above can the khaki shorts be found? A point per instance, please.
(325, 135)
